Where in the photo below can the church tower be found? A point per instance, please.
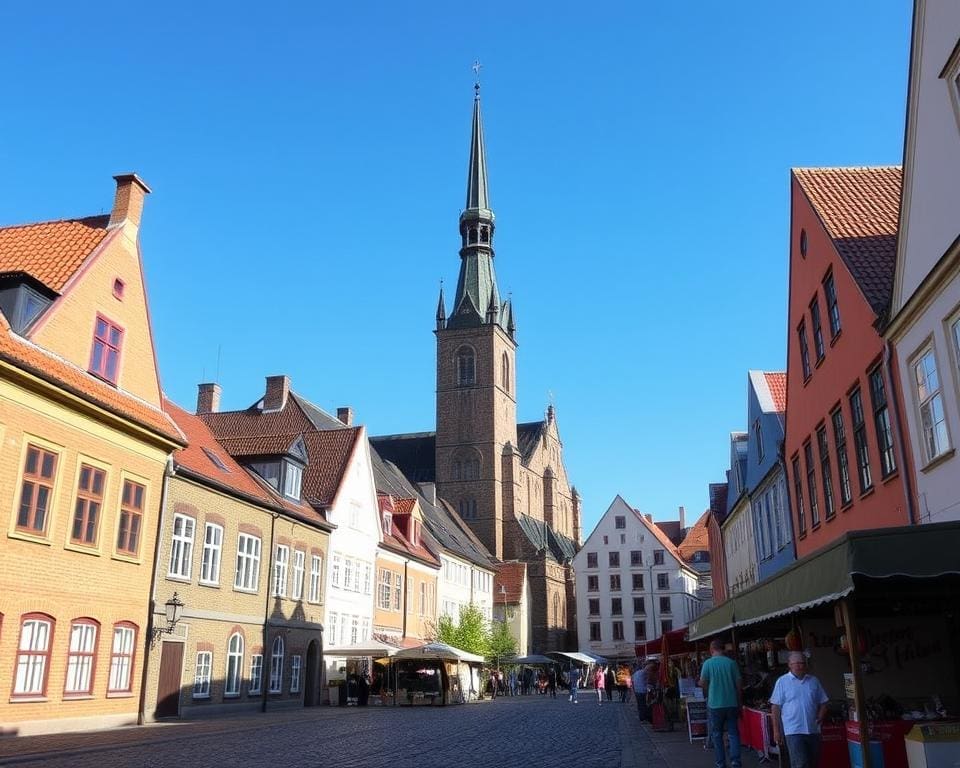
(476, 371)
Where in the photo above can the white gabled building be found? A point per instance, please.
(632, 584)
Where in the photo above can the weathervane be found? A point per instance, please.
(477, 66)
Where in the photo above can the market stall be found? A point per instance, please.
(432, 674)
(348, 663)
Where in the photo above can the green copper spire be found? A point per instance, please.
(478, 197)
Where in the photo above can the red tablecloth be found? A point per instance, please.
(890, 734)
(752, 730)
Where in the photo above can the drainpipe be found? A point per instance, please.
(169, 470)
(901, 440)
(265, 683)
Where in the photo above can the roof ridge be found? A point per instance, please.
(24, 225)
(886, 167)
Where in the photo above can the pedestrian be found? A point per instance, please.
(723, 690)
(574, 679)
(627, 686)
(512, 680)
(609, 682)
(799, 705)
(641, 683)
(599, 683)
(552, 682)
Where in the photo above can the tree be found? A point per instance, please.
(470, 633)
(502, 643)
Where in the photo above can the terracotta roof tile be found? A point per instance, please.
(659, 533)
(860, 210)
(777, 383)
(259, 445)
(51, 251)
(510, 575)
(38, 361)
(697, 538)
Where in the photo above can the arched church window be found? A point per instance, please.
(472, 235)
(457, 470)
(484, 235)
(505, 372)
(466, 464)
(468, 509)
(556, 611)
(466, 367)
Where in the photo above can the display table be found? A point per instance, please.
(754, 731)
(885, 736)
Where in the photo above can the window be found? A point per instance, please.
(386, 523)
(269, 471)
(118, 286)
(316, 569)
(798, 496)
(811, 484)
(276, 665)
(248, 563)
(663, 581)
(466, 367)
(121, 657)
(595, 631)
(804, 350)
(860, 441)
(292, 479)
(638, 606)
(840, 443)
(181, 547)
(105, 357)
(80, 660)
(505, 372)
(86, 514)
(256, 673)
(665, 605)
(833, 309)
(231, 686)
(614, 582)
(384, 584)
(36, 491)
(637, 579)
(617, 630)
(620, 521)
(201, 675)
(636, 558)
(467, 508)
(397, 591)
(616, 606)
(933, 423)
(881, 423)
(280, 563)
(295, 674)
(299, 560)
(666, 626)
(758, 439)
(33, 656)
(131, 516)
(591, 559)
(817, 329)
(639, 630)
(422, 606)
(658, 557)
(593, 583)
(212, 544)
(335, 576)
(829, 508)
(593, 606)
(614, 559)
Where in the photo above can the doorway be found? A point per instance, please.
(312, 678)
(168, 686)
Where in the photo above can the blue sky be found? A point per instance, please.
(308, 164)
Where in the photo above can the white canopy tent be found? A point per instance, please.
(371, 648)
(438, 652)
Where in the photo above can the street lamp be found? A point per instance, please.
(173, 609)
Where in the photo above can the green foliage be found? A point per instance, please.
(472, 633)
(502, 643)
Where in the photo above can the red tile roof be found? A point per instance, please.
(51, 251)
(777, 383)
(659, 533)
(45, 365)
(396, 540)
(860, 210)
(510, 575)
(697, 538)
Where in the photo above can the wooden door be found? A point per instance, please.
(168, 687)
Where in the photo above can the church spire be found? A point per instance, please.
(441, 311)
(478, 197)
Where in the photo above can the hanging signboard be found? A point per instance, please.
(696, 718)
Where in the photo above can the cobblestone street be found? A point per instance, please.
(522, 731)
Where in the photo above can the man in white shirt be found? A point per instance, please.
(799, 705)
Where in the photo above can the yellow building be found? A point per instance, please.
(247, 562)
(84, 442)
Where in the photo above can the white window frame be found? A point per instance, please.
(181, 547)
(384, 583)
(295, 663)
(299, 563)
(316, 574)
(233, 677)
(122, 659)
(201, 675)
(256, 674)
(292, 480)
(212, 549)
(276, 665)
(247, 578)
(334, 629)
(80, 657)
(33, 651)
(335, 570)
(280, 564)
(927, 399)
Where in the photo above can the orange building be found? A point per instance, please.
(843, 446)
(84, 442)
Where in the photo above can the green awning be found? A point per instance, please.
(832, 572)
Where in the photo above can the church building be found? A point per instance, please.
(506, 480)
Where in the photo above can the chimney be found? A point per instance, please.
(650, 518)
(429, 491)
(275, 398)
(345, 414)
(208, 398)
(683, 518)
(128, 201)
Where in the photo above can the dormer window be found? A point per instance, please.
(292, 480)
(415, 532)
(387, 522)
(21, 304)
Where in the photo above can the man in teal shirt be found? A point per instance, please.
(722, 687)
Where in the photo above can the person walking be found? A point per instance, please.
(552, 682)
(723, 690)
(609, 682)
(798, 706)
(599, 683)
(574, 679)
(641, 684)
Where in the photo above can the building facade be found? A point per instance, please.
(925, 311)
(740, 554)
